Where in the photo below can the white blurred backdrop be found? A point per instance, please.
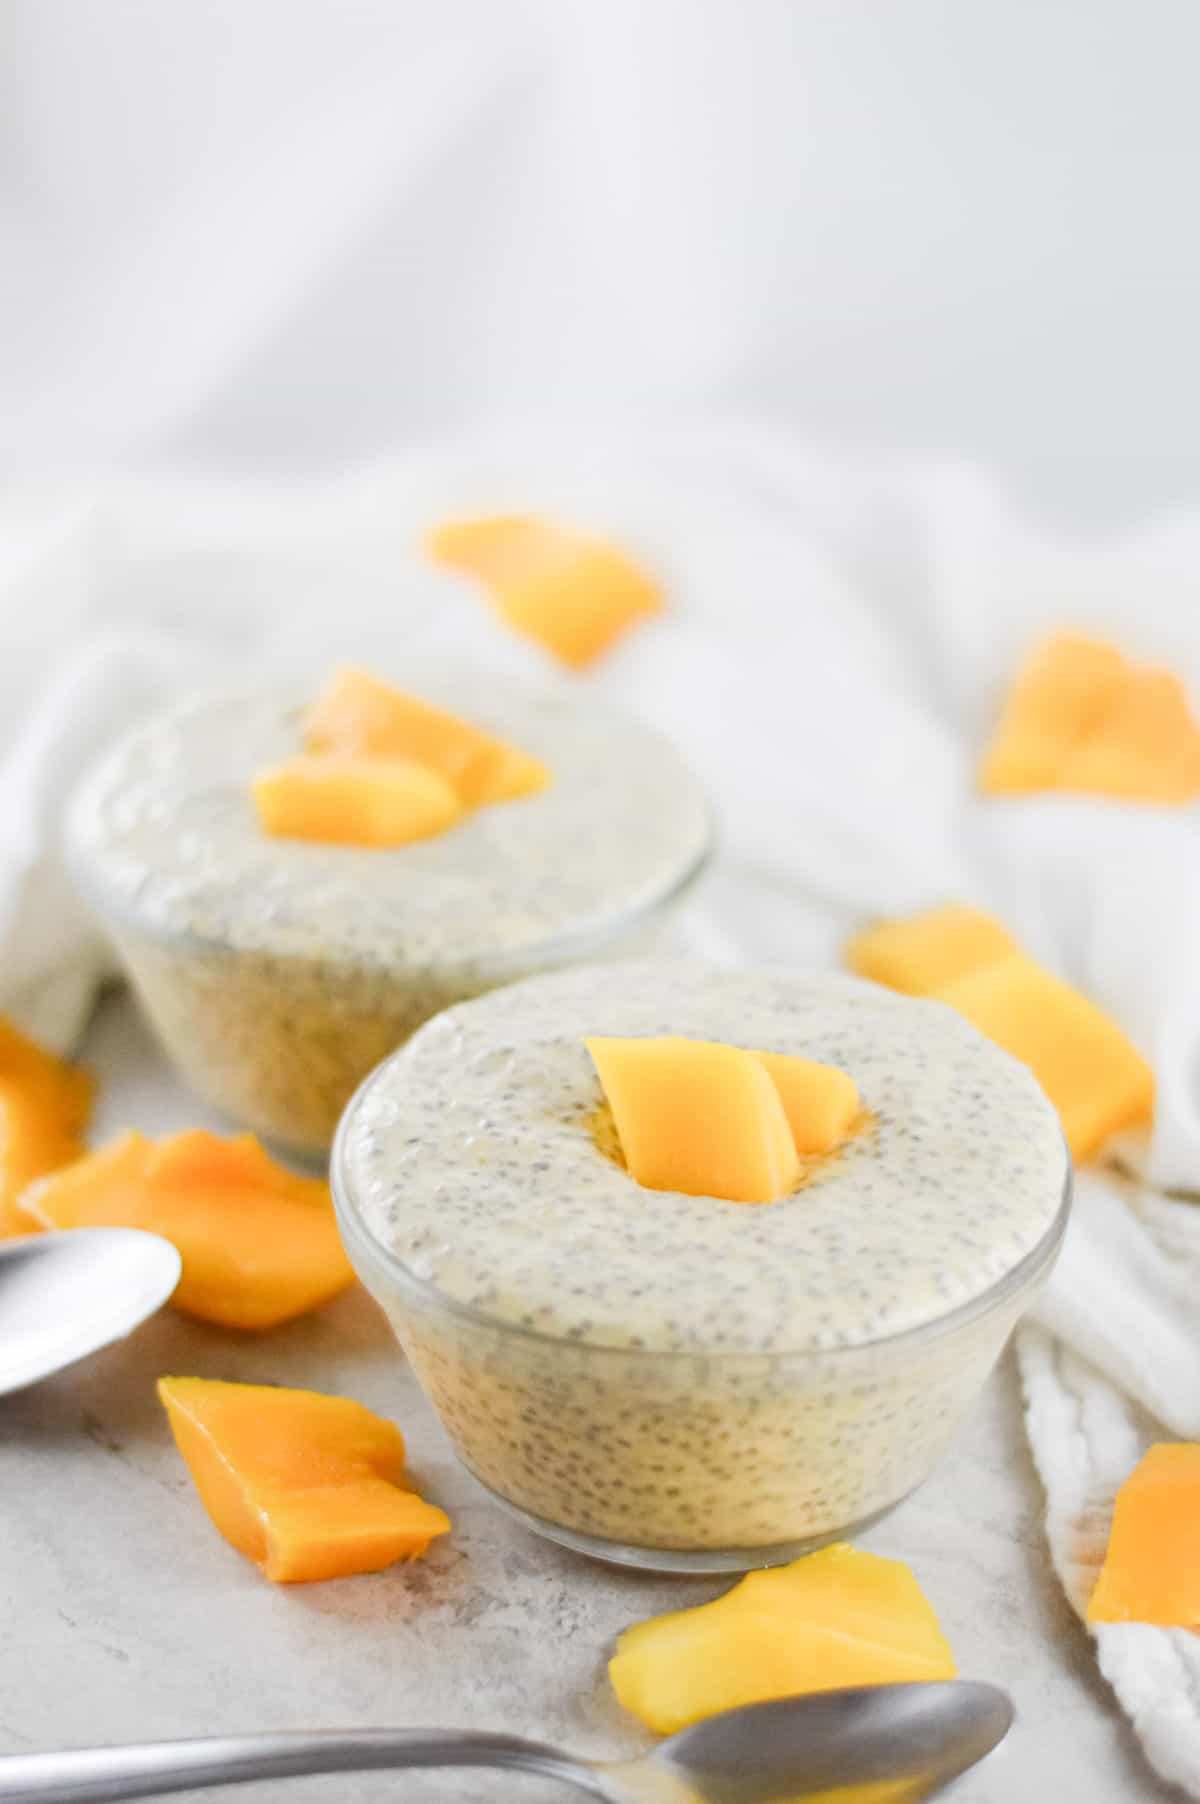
(297, 233)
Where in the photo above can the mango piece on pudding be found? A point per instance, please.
(921, 953)
(1145, 749)
(698, 1117)
(574, 594)
(307, 1486)
(1062, 693)
(358, 716)
(1151, 1571)
(259, 1244)
(1092, 1073)
(820, 1101)
(835, 1618)
(44, 1108)
(354, 801)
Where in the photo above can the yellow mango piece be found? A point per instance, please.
(354, 801)
(307, 1486)
(1146, 748)
(358, 716)
(259, 1244)
(1063, 691)
(44, 1108)
(923, 952)
(820, 1101)
(698, 1117)
(1094, 1075)
(574, 594)
(1151, 1571)
(838, 1617)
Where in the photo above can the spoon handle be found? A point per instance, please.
(152, 1769)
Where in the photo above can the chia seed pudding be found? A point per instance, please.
(278, 972)
(680, 1381)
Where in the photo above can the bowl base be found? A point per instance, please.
(682, 1559)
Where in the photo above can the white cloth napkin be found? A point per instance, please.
(838, 638)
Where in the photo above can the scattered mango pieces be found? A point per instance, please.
(357, 716)
(354, 801)
(574, 594)
(1082, 718)
(1093, 1074)
(1151, 1571)
(44, 1109)
(259, 1244)
(921, 953)
(697, 1117)
(305, 1485)
(838, 1617)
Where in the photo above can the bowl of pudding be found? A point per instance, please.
(676, 1380)
(279, 969)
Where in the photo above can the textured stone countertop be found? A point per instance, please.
(123, 1616)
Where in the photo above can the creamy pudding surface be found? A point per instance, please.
(166, 829)
(478, 1158)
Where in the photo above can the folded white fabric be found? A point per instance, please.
(837, 641)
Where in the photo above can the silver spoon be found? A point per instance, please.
(773, 1753)
(66, 1295)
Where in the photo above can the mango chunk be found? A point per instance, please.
(44, 1108)
(697, 1117)
(574, 594)
(259, 1244)
(1062, 693)
(838, 1617)
(307, 1486)
(1151, 1571)
(1081, 718)
(923, 952)
(358, 716)
(354, 801)
(820, 1101)
(1093, 1074)
(1145, 749)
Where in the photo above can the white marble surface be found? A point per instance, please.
(122, 1615)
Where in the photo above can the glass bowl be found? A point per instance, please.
(690, 1462)
(278, 978)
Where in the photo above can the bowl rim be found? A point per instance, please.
(362, 1243)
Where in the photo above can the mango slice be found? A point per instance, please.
(358, 716)
(307, 1486)
(1147, 747)
(1094, 1075)
(574, 594)
(820, 1101)
(44, 1108)
(1061, 695)
(259, 1244)
(1151, 1571)
(697, 1117)
(924, 952)
(354, 801)
(838, 1617)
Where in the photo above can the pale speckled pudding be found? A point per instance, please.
(680, 1381)
(279, 972)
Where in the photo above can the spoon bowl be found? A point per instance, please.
(63, 1296)
(915, 1738)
